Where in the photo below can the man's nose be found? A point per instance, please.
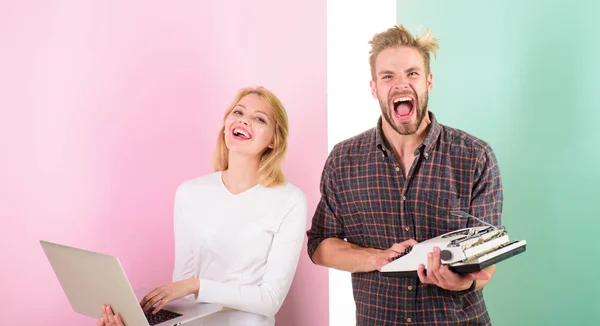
(401, 84)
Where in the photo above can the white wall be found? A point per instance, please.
(350, 107)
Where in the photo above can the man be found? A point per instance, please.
(394, 185)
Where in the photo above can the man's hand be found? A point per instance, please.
(167, 293)
(441, 275)
(383, 257)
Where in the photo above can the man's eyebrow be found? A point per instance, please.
(386, 72)
(413, 68)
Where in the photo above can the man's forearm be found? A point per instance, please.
(345, 256)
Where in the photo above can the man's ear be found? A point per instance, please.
(429, 82)
(373, 88)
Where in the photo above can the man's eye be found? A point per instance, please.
(413, 73)
(386, 77)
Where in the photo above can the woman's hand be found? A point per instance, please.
(167, 293)
(108, 318)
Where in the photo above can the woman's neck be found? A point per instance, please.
(241, 173)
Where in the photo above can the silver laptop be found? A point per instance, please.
(91, 279)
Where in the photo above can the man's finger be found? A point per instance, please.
(432, 268)
(480, 275)
(421, 274)
(446, 277)
(436, 261)
(408, 243)
(398, 248)
(389, 254)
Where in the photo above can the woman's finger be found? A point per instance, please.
(162, 303)
(111, 316)
(105, 315)
(149, 296)
(118, 321)
(154, 301)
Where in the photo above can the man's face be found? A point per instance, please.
(402, 86)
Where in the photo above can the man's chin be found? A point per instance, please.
(407, 127)
(406, 131)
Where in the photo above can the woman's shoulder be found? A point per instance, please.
(288, 191)
(200, 183)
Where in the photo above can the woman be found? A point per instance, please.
(239, 230)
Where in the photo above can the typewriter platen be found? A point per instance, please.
(464, 251)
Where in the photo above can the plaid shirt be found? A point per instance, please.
(366, 200)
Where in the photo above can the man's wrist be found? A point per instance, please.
(371, 259)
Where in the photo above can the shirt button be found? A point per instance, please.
(397, 169)
(409, 319)
(426, 155)
(403, 197)
(410, 287)
(407, 229)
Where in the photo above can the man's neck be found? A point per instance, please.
(404, 145)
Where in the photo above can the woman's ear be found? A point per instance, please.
(271, 146)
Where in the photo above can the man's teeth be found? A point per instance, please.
(402, 99)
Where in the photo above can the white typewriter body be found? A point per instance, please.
(465, 250)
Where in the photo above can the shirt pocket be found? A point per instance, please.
(434, 213)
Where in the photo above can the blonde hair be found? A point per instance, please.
(400, 36)
(269, 172)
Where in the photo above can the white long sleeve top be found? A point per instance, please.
(244, 248)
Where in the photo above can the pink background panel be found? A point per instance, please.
(106, 106)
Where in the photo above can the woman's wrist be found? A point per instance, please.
(195, 286)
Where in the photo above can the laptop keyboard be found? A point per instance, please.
(160, 316)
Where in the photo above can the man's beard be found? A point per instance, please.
(409, 127)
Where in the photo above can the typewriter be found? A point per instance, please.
(464, 251)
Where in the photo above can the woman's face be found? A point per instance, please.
(250, 126)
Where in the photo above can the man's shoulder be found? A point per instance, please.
(461, 138)
(355, 145)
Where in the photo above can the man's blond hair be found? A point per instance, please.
(399, 36)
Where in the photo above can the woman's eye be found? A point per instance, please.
(261, 120)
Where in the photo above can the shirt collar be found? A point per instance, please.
(432, 135)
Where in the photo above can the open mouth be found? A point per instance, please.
(404, 106)
(241, 133)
